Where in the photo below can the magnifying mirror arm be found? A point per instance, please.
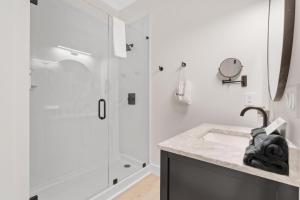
(243, 81)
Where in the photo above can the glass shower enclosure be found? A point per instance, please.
(89, 110)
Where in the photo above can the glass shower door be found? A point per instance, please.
(129, 129)
(69, 129)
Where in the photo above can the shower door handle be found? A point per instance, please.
(102, 104)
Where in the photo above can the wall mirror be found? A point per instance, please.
(280, 44)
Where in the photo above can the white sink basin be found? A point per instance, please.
(229, 139)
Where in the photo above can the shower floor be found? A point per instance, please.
(89, 184)
(120, 172)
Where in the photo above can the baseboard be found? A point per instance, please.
(155, 169)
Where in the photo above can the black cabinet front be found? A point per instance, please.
(184, 178)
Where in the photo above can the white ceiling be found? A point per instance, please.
(119, 4)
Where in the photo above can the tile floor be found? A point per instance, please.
(147, 189)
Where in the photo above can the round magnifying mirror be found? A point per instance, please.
(230, 68)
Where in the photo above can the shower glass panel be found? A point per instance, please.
(69, 129)
(129, 131)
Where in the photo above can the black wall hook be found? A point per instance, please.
(161, 68)
(183, 64)
(35, 2)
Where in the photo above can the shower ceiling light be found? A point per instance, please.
(119, 4)
(74, 51)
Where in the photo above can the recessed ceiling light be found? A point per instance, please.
(119, 4)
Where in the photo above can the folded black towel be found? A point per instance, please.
(272, 146)
(268, 152)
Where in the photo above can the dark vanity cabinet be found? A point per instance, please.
(183, 178)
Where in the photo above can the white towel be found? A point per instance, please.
(187, 97)
(184, 89)
(119, 38)
(180, 90)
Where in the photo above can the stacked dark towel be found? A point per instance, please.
(268, 152)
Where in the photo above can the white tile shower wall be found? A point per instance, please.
(14, 101)
(202, 35)
(280, 108)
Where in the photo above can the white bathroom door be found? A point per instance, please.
(69, 122)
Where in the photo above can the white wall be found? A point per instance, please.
(14, 100)
(280, 108)
(203, 33)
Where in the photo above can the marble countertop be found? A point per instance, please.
(193, 144)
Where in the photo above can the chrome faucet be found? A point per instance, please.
(262, 111)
